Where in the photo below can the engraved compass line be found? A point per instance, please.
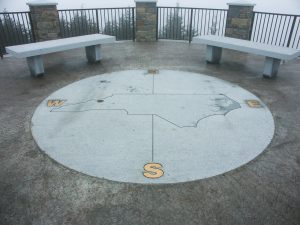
(153, 115)
(55, 109)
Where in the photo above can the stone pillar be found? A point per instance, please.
(146, 16)
(44, 19)
(239, 20)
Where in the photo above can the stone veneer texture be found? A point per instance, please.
(239, 22)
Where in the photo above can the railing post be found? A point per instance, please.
(291, 32)
(97, 17)
(133, 25)
(251, 26)
(31, 26)
(191, 26)
(2, 42)
(156, 23)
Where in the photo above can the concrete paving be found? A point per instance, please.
(37, 190)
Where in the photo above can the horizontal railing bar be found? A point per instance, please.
(60, 10)
(4, 13)
(276, 14)
(164, 7)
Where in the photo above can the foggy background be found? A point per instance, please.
(276, 6)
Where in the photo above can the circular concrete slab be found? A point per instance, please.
(152, 126)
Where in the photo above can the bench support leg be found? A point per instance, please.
(36, 65)
(271, 67)
(93, 53)
(213, 54)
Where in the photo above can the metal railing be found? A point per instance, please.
(119, 22)
(179, 23)
(276, 29)
(15, 28)
(174, 23)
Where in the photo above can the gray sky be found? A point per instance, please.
(279, 6)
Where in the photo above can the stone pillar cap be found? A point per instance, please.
(145, 1)
(41, 2)
(242, 3)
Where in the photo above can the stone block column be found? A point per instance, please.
(44, 19)
(146, 16)
(239, 20)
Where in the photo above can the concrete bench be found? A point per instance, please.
(273, 54)
(34, 51)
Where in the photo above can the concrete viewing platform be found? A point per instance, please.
(83, 144)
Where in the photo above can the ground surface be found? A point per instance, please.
(37, 190)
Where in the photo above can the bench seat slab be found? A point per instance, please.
(93, 53)
(213, 54)
(36, 65)
(271, 67)
(273, 54)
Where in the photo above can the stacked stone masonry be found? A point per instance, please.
(239, 22)
(146, 16)
(45, 22)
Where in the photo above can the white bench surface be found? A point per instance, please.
(45, 47)
(248, 46)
